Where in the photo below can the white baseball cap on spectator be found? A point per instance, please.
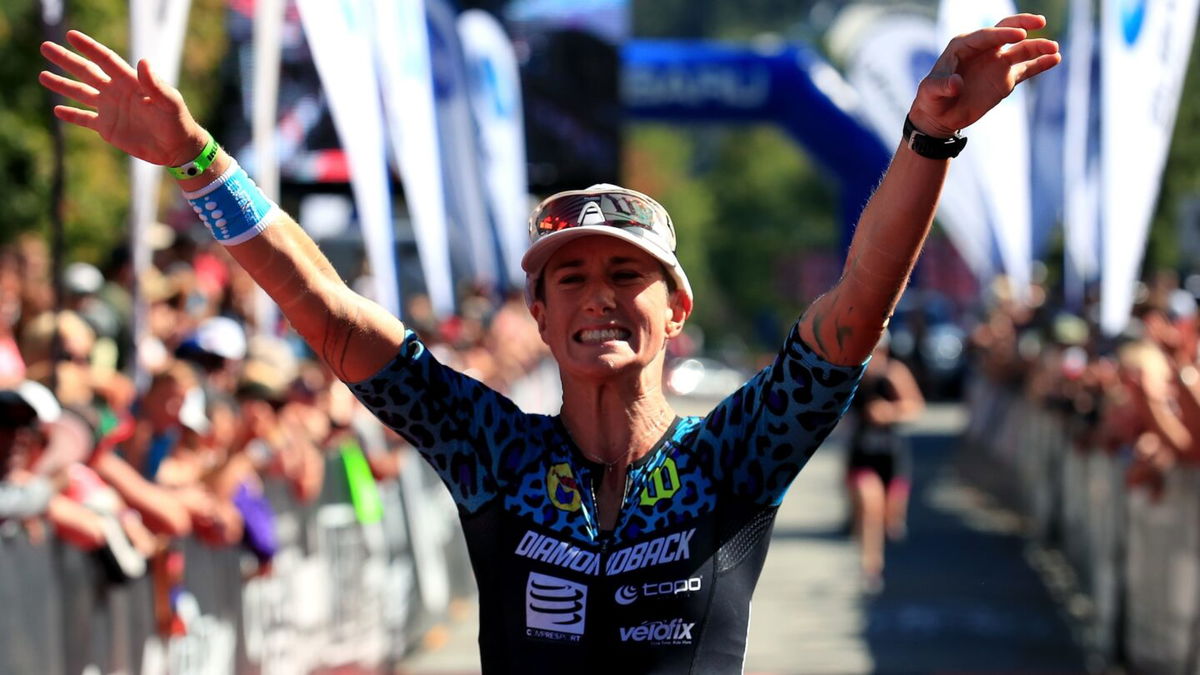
(220, 336)
(276, 353)
(1181, 304)
(82, 278)
(35, 398)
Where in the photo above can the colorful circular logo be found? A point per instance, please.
(562, 488)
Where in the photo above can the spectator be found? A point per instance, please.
(12, 365)
(216, 348)
(280, 438)
(34, 413)
(23, 410)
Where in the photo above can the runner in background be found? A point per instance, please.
(879, 463)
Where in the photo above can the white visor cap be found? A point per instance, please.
(602, 209)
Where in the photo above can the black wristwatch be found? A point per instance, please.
(931, 146)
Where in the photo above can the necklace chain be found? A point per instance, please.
(608, 466)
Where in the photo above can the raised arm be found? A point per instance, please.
(975, 72)
(139, 114)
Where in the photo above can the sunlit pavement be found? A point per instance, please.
(959, 597)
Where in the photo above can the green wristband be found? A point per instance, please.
(196, 166)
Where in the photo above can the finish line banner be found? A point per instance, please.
(698, 81)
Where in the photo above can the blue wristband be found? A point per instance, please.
(233, 207)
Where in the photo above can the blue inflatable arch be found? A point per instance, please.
(792, 86)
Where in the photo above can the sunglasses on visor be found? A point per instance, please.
(615, 209)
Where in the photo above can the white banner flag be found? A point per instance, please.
(473, 244)
(1081, 166)
(886, 54)
(1145, 55)
(402, 46)
(268, 49)
(999, 148)
(339, 37)
(496, 101)
(268, 29)
(157, 29)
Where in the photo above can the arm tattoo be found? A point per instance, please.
(818, 322)
(842, 331)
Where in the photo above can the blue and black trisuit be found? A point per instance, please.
(668, 589)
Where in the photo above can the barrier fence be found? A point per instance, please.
(359, 576)
(1136, 557)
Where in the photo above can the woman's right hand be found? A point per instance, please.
(134, 111)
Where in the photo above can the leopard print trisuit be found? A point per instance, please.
(668, 590)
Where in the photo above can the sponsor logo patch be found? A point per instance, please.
(628, 594)
(673, 632)
(591, 214)
(554, 608)
(663, 484)
(657, 551)
(554, 552)
(562, 488)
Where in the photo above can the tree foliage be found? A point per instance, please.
(96, 190)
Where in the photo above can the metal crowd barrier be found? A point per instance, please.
(1137, 559)
(345, 593)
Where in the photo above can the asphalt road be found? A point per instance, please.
(960, 594)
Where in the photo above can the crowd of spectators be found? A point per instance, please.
(1136, 394)
(123, 445)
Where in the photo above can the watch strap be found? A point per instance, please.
(931, 146)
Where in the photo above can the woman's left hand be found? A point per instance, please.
(977, 70)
